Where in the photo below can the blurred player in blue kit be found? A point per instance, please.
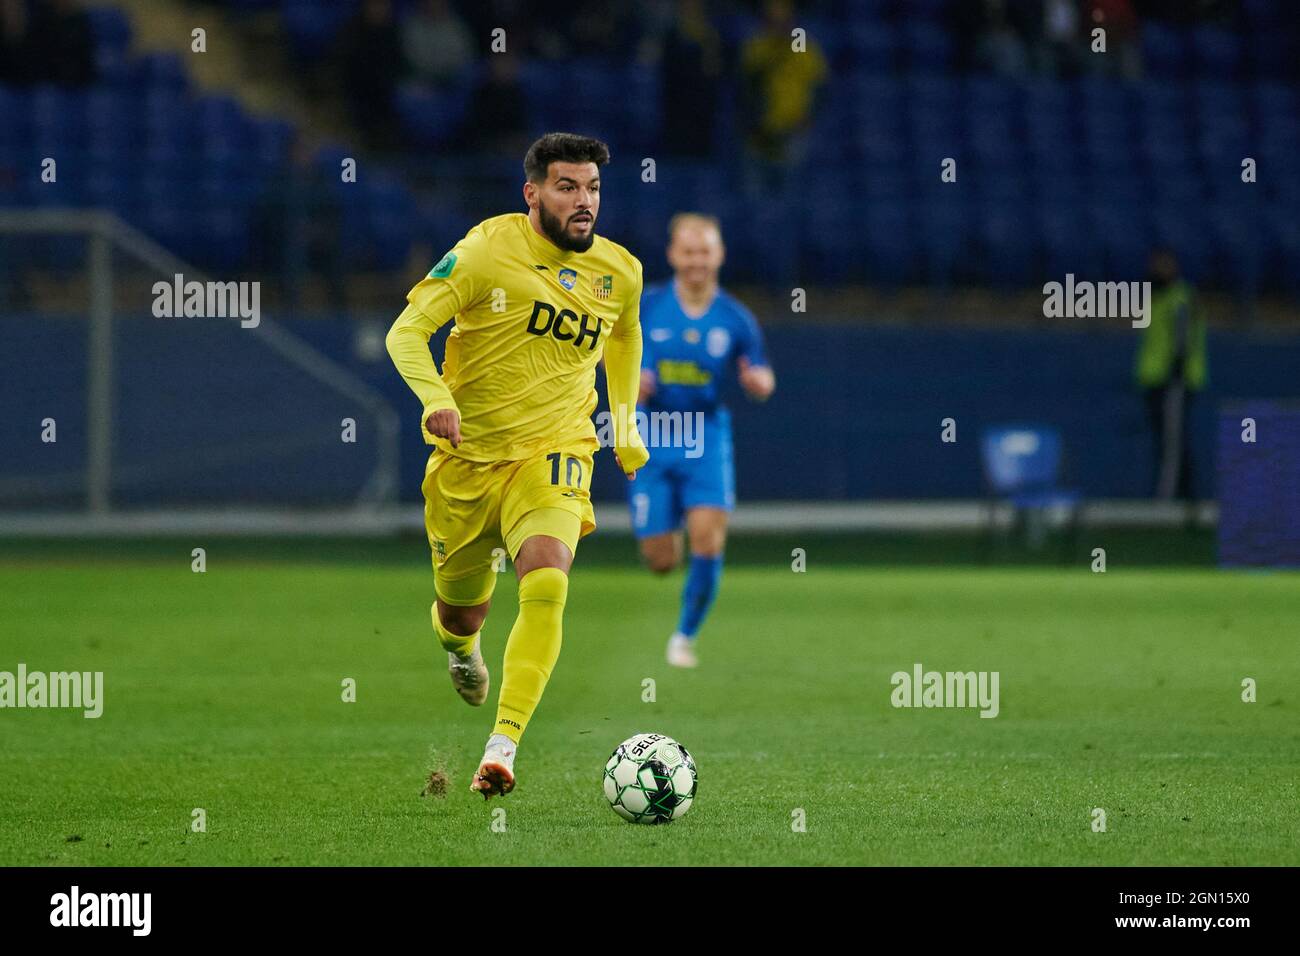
(694, 333)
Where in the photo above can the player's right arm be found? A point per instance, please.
(452, 286)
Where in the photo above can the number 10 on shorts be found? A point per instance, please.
(572, 470)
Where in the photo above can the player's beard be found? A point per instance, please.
(555, 231)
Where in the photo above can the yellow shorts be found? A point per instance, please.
(477, 512)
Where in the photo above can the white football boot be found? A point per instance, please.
(681, 651)
(496, 771)
(469, 675)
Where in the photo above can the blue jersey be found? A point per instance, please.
(691, 358)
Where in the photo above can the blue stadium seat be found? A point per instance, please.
(927, 47)
(430, 117)
(1273, 53)
(874, 44)
(226, 240)
(1178, 188)
(1047, 97)
(271, 139)
(945, 238)
(1216, 52)
(312, 27)
(1240, 250)
(1283, 227)
(160, 71)
(1068, 243)
(1185, 230)
(1057, 183)
(1165, 50)
(1007, 244)
(1123, 234)
(932, 91)
(889, 243)
(879, 145)
(875, 96)
(1264, 15)
(832, 244)
(993, 94)
(1272, 101)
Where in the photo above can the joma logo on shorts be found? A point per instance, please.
(545, 319)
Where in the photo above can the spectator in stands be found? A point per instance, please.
(780, 93)
(1062, 45)
(437, 43)
(1170, 370)
(49, 41)
(1225, 12)
(15, 43)
(64, 44)
(371, 67)
(999, 48)
(510, 16)
(1123, 56)
(691, 65)
(298, 222)
(497, 120)
(780, 84)
(594, 29)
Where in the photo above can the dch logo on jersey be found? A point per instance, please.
(568, 278)
(545, 319)
(717, 343)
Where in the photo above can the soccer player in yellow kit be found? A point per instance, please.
(537, 299)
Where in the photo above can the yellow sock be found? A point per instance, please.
(452, 642)
(532, 649)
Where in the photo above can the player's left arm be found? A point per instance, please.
(623, 381)
(756, 375)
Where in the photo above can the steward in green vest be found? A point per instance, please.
(1171, 368)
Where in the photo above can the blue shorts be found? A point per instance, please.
(676, 480)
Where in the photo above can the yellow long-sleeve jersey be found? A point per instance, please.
(532, 321)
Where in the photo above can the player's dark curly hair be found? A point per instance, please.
(562, 148)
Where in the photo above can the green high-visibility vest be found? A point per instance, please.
(1156, 351)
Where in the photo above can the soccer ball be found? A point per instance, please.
(650, 778)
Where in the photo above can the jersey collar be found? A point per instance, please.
(545, 249)
(682, 308)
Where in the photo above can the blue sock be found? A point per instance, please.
(698, 594)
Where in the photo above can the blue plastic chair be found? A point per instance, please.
(1023, 467)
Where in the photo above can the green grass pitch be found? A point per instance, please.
(223, 691)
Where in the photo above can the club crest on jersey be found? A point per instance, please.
(602, 286)
(568, 278)
(717, 342)
(691, 335)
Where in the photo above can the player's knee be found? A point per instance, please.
(661, 564)
(462, 620)
(709, 543)
(660, 557)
